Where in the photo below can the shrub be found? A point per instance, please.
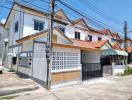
(128, 71)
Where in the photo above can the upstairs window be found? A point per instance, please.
(16, 26)
(38, 25)
(89, 37)
(62, 29)
(99, 38)
(77, 35)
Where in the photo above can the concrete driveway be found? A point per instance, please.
(116, 88)
(11, 83)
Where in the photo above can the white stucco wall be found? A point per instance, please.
(29, 24)
(70, 32)
(27, 46)
(2, 45)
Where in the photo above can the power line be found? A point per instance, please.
(23, 12)
(99, 12)
(103, 14)
(67, 11)
(32, 14)
(84, 15)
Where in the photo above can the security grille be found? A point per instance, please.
(65, 60)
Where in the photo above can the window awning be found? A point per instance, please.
(114, 52)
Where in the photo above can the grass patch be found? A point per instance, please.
(8, 97)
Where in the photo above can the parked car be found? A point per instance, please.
(1, 69)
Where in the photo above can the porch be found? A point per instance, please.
(113, 61)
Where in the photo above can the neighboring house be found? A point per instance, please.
(78, 29)
(129, 48)
(3, 43)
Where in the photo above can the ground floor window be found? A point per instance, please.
(65, 60)
(14, 60)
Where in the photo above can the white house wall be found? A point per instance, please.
(29, 24)
(70, 32)
(27, 46)
(2, 45)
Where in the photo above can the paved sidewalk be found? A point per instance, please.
(11, 83)
(120, 88)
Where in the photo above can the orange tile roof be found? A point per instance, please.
(116, 46)
(105, 31)
(129, 49)
(94, 44)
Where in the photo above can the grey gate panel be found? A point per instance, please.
(91, 70)
(39, 62)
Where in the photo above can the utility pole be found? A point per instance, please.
(49, 43)
(125, 32)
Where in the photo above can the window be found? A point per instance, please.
(38, 25)
(14, 60)
(77, 35)
(89, 37)
(65, 60)
(16, 27)
(99, 39)
(62, 29)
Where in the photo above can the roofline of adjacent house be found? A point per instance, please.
(64, 14)
(77, 47)
(79, 19)
(40, 34)
(72, 46)
(117, 43)
(2, 24)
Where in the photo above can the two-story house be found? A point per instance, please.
(3, 43)
(116, 58)
(129, 48)
(76, 47)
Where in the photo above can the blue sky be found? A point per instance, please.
(112, 13)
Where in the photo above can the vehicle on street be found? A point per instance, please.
(1, 69)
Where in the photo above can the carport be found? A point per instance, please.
(114, 61)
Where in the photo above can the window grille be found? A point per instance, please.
(62, 61)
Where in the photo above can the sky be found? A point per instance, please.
(110, 14)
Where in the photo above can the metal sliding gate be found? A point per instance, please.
(91, 71)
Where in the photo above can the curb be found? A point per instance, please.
(16, 89)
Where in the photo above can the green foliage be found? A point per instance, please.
(128, 71)
(8, 97)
